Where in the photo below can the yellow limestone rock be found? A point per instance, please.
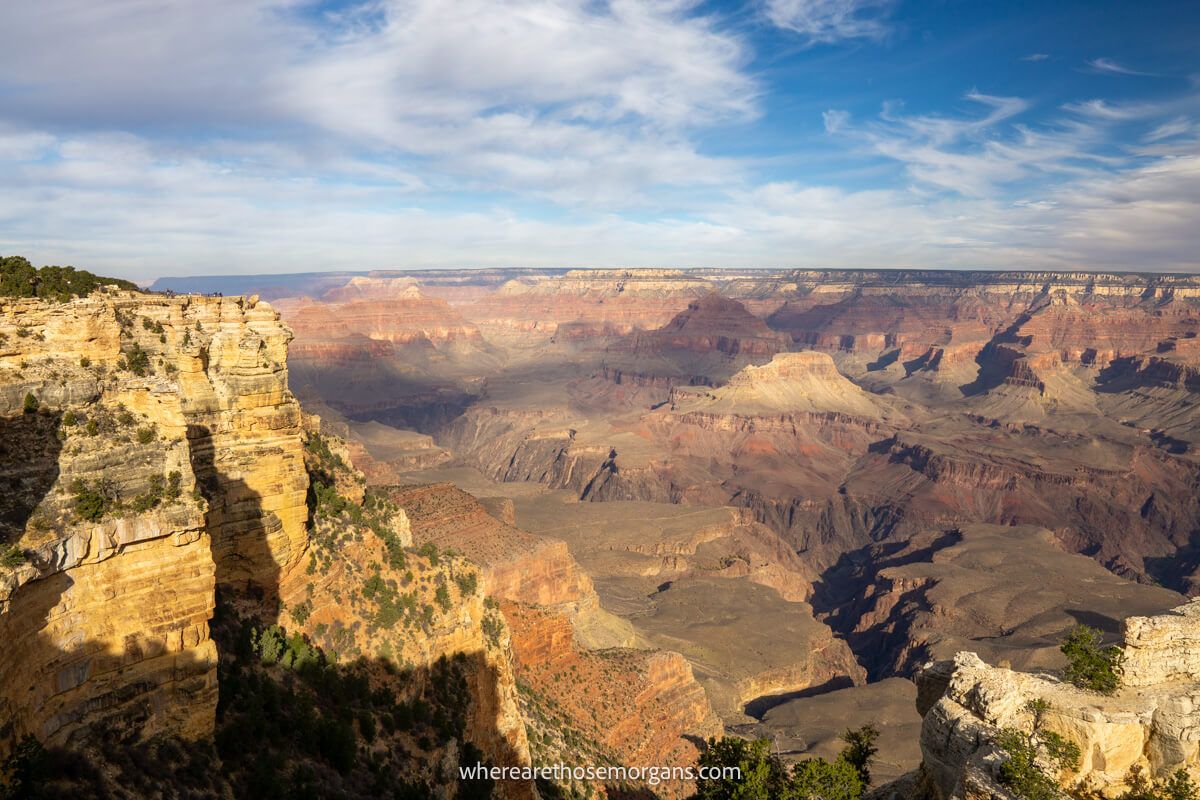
(1152, 722)
(107, 620)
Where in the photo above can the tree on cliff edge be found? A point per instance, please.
(764, 776)
(1089, 664)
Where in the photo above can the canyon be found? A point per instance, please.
(530, 517)
(874, 469)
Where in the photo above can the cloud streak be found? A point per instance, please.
(577, 101)
(123, 204)
(829, 21)
(1110, 67)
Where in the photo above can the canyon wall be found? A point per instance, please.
(170, 416)
(155, 479)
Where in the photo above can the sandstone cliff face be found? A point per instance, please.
(1150, 723)
(440, 612)
(703, 344)
(163, 468)
(196, 461)
(619, 301)
(628, 706)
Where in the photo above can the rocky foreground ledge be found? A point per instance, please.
(1152, 723)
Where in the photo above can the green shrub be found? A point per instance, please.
(145, 435)
(1026, 753)
(173, 491)
(1178, 787)
(442, 595)
(430, 551)
(467, 583)
(492, 626)
(137, 360)
(1089, 664)
(817, 779)
(11, 556)
(301, 612)
(271, 645)
(19, 278)
(92, 502)
(85, 362)
(70, 419)
(763, 776)
(31, 403)
(860, 750)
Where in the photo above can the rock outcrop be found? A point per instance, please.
(170, 461)
(1149, 724)
(515, 565)
(703, 344)
(572, 658)
(804, 382)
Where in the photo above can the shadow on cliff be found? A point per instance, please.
(56, 685)
(29, 448)
(759, 706)
(240, 528)
(294, 720)
(841, 600)
(290, 721)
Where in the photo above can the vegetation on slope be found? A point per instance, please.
(1039, 764)
(330, 729)
(764, 776)
(19, 278)
(291, 723)
(1029, 754)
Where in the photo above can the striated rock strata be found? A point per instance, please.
(176, 412)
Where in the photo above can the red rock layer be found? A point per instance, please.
(516, 565)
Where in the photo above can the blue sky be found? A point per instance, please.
(151, 137)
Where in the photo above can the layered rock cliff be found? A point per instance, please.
(168, 460)
(1149, 725)
(158, 525)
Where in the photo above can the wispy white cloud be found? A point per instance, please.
(1036, 57)
(827, 21)
(425, 133)
(1111, 67)
(1169, 130)
(1113, 112)
(835, 119)
(130, 207)
(980, 155)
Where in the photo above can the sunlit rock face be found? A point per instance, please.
(177, 410)
(1149, 723)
